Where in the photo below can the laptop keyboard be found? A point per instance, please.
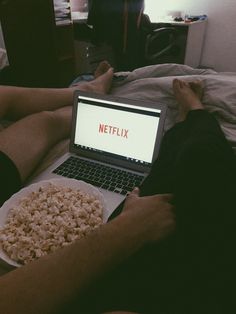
(106, 177)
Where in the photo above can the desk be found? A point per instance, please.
(79, 17)
(39, 47)
(190, 43)
(188, 48)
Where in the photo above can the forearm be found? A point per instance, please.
(21, 101)
(45, 285)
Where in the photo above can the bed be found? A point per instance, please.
(3, 58)
(154, 83)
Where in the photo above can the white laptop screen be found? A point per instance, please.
(116, 129)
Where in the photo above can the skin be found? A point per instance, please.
(43, 286)
(188, 96)
(46, 113)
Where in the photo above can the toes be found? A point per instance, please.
(176, 84)
(102, 68)
(196, 83)
(197, 87)
(179, 83)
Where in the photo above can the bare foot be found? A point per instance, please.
(188, 96)
(197, 87)
(101, 84)
(102, 68)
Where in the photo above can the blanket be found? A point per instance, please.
(154, 83)
(3, 58)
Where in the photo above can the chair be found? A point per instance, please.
(161, 45)
(132, 38)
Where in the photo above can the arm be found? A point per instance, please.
(45, 285)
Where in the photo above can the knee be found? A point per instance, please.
(46, 118)
(58, 121)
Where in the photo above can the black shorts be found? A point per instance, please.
(10, 181)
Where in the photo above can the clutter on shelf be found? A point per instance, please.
(62, 11)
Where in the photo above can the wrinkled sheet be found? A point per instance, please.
(154, 83)
(3, 58)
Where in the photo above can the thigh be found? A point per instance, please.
(187, 141)
(28, 140)
(197, 165)
(10, 181)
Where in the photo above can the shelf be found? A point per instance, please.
(63, 23)
(40, 50)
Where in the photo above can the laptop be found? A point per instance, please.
(113, 144)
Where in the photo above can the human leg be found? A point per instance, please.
(188, 95)
(196, 126)
(204, 186)
(198, 166)
(102, 82)
(10, 180)
(187, 272)
(18, 102)
(26, 141)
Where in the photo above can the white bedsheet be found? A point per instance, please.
(3, 58)
(154, 83)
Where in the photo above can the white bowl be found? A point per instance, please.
(72, 183)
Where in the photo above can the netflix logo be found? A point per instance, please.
(113, 130)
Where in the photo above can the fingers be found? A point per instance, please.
(165, 197)
(168, 198)
(135, 192)
(132, 195)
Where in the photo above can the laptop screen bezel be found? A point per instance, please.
(113, 160)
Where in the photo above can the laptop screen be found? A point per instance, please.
(115, 129)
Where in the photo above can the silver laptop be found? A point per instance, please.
(113, 144)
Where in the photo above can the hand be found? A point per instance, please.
(153, 215)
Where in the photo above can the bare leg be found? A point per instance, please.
(103, 67)
(102, 84)
(197, 87)
(18, 102)
(29, 139)
(188, 96)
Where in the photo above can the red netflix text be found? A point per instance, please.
(113, 130)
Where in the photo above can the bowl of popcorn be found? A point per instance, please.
(47, 216)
